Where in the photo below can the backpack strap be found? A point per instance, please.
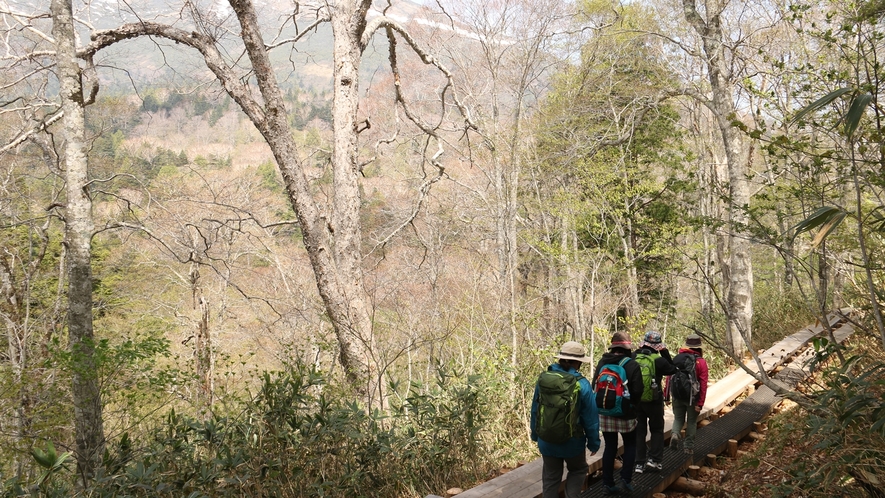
(625, 360)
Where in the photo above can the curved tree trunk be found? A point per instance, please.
(333, 245)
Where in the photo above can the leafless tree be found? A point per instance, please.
(331, 231)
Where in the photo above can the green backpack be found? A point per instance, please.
(559, 400)
(646, 362)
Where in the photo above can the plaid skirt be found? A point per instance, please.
(614, 424)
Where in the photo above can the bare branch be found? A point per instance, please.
(233, 83)
(300, 34)
(42, 126)
(428, 59)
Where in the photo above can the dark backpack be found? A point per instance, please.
(559, 400)
(646, 362)
(611, 389)
(684, 384)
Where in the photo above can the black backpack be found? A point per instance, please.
(684, 384)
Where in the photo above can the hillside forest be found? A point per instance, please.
(323, 249)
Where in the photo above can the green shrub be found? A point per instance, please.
(301, 436)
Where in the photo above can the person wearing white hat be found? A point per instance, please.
(570, 452)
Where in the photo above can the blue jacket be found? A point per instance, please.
(588, 418)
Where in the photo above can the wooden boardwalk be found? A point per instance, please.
(525, 481)
(736, 424)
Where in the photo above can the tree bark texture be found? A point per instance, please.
(739, 295)
(333, 245)
(88, 422)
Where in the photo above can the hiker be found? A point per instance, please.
(655, 362)
(562, 439)
(687, 387)
(620, 418)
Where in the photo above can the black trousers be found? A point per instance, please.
(650, 418)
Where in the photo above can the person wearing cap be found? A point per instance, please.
(650, 414)
(683, 414)
(625, 425)
(571, 453)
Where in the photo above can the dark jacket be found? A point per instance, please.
(702, 371)
(588, 418)
(663, 365)
(634, 377)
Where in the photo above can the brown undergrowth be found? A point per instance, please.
(837, 452)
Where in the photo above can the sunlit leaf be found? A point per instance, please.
(855, 113)
(878, 217)
(817, 104)
(818, 218)
(42, 458)
(827, 228)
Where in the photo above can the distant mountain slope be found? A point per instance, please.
(154, 62)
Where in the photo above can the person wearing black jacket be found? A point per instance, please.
(650, 414)
(625, 425)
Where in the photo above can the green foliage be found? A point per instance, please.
(150, 103)
(267, 171)
(302, 436)
(49, 460)
(613, 155)
(778, 308)
(217, 112)
(846, 427)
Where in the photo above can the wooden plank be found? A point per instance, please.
(520, 482)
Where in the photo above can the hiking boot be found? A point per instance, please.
(654, 466)
(610, 490)
(675, 444)
(626, 488)
(688, 451)
(639, 468)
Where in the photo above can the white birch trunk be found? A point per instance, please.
(88, 422)
(739, 294)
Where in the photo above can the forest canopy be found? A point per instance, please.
(295, 249)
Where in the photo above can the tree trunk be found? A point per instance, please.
(88, 423)
(334, 245)
(358, 340)
(739, 295)
(625, 231)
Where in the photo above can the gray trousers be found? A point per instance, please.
(551, 475)
(683, 414)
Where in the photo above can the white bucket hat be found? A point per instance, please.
(573, 351)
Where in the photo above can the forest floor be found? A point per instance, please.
(758, 469)
(762, 468)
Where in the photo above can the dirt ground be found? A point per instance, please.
(751, 473)
(760, 464)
